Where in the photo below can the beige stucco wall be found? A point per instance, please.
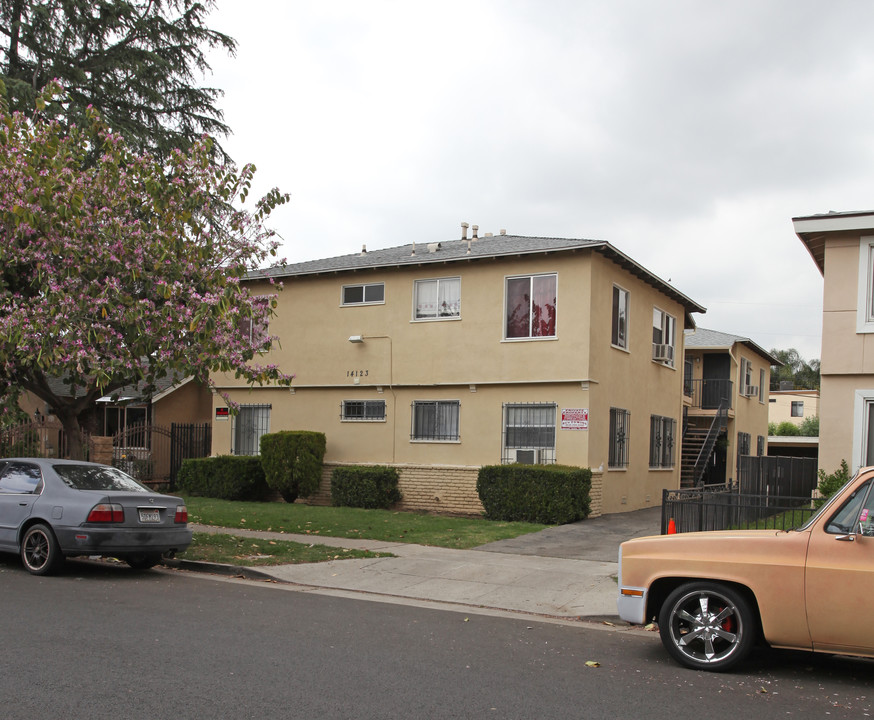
(630, 380)
(847, 362)
(780, 407)
(843, 351)
(189, 403)
(467, 359)
(837, 419)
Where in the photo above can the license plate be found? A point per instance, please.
(150, 516)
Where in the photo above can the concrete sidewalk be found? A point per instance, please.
(566, 572)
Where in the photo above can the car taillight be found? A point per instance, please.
(181, 514)
(106, 513)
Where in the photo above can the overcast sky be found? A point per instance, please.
(686, 133)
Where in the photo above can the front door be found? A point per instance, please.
(717, 380)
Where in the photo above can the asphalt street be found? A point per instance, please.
(102, 641)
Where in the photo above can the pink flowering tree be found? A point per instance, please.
(117, 269)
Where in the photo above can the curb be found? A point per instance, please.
(239, 571)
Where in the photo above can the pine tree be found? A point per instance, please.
(137, 62)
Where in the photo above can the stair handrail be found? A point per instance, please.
(720, 420)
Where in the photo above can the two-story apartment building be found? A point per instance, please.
(726, 406)
(842, 246)
(793, 406)
(439, 358)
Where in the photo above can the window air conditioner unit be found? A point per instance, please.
(526, 456)
(752, 390)
(663, 353)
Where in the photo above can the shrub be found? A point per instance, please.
(227, 477)
(365, 487)
(548, 494)
(787, 428)
(292, 462)
(830, 484)
(810, 426)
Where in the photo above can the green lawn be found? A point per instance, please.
(234, 550)
(343, 522)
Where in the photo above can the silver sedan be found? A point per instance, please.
(54, 509)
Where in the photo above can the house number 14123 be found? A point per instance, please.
(357, 373)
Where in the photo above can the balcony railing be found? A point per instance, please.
(708, 394)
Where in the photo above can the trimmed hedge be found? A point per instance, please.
(365, 487)
(548, 494)
(292, 462)
(227, 477)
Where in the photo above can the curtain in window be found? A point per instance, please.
(530, 426)
(543, 306)
(449, 298)
(426, 299)
(438, 298)
(518, 307)
(251, 422)
(435, 420)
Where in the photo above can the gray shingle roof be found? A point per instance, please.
(702, 338)
(62, 389)
(454, 251)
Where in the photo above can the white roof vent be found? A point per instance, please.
(434, 247)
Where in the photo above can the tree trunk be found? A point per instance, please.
(75, 446)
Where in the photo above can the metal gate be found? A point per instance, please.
(39, 438)
(153, 454)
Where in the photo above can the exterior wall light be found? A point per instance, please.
(356, 338)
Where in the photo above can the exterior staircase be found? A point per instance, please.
(698, 444)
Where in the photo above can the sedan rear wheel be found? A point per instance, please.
(40, 551)
(707, 626)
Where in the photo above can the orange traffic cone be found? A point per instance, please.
(672, 527)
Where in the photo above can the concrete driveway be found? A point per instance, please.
(592, 539)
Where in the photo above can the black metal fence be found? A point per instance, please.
(153, 454)
(723, 507)
(777, 476)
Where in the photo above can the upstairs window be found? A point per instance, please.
(663, 333)
(747, 389)
(865, 302)
(619, 336)
(797, 408)
(435, 299)
(531, 307)
(365, 294)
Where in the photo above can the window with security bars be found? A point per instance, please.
(620, 430)
(760, 445)
(250, 423)
(743, 443)
(662, 432)
(435, 420)
(363, 410)
(529, 433)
